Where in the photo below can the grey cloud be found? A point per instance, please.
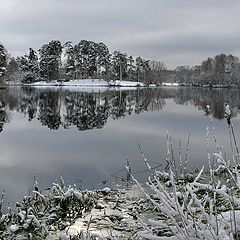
(176, 32)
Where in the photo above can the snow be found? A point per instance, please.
(14, 228)
(170, 84)
(64, 236)
(227, 111)
(106, 190)
(88, 83)
(115, 214)
(127, 214)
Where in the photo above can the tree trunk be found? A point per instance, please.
(120, 72)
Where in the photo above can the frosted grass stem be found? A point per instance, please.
(186, 155)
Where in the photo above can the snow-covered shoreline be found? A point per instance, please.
(88, 83)
(92, 84)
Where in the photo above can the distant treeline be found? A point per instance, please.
(87, 59)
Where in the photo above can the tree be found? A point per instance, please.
(130, 67)
(146, 70)
(119, 65)
(86, 58)
(142, 68)
(50, 60)
(232, 70)
(156, 71)
(33, 64)
(207, 66)
(103, 59)
(221, 69)
(220, 63)
(70, 66)
(29, 67)
(3, 62)
(12, 70)
(12, 66)
(220, 66)
(183, 74)
(139, 67)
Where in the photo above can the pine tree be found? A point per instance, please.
(33, 64)
(119, 65)
(3, 62)
(139, 67)
(12, 66)
(28, 67)
(86, 53)
(130, 67)
(103, 59)
(50, 60)
(70, 65)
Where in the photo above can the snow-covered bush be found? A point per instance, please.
(41, 213)
(206, 206)
(196, 210)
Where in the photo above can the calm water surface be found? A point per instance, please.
(86, 135)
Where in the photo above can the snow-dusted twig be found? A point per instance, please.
(144, 158)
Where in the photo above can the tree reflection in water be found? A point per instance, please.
(91, 110)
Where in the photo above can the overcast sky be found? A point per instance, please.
(176, 32)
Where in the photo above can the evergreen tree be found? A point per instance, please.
(12, 70)
(3, 62)
(12, 66)
(28, 67)
(33, 64)
(139, 67)
(119, 65)
(70, 66)
(142, 69)
(146, 70)
(103, 59)
(86, 58)
(130, 67)
(50, 60)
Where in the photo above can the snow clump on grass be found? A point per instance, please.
(205, 206)
(43, 212)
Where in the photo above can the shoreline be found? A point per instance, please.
(100, 83)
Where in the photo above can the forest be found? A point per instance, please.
(87, 59)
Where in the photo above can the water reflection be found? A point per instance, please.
(85, 110)
(115, 120)
(91, 110)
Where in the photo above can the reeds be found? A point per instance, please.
(203, 207)
(42, 212)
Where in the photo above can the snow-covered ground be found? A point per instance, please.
(89, 83)
(170, 84)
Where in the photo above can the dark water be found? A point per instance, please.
(86, 136)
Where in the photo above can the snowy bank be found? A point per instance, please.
(64, 211)
(170, 84)
(88, 83)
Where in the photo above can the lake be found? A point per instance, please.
(86, 135)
